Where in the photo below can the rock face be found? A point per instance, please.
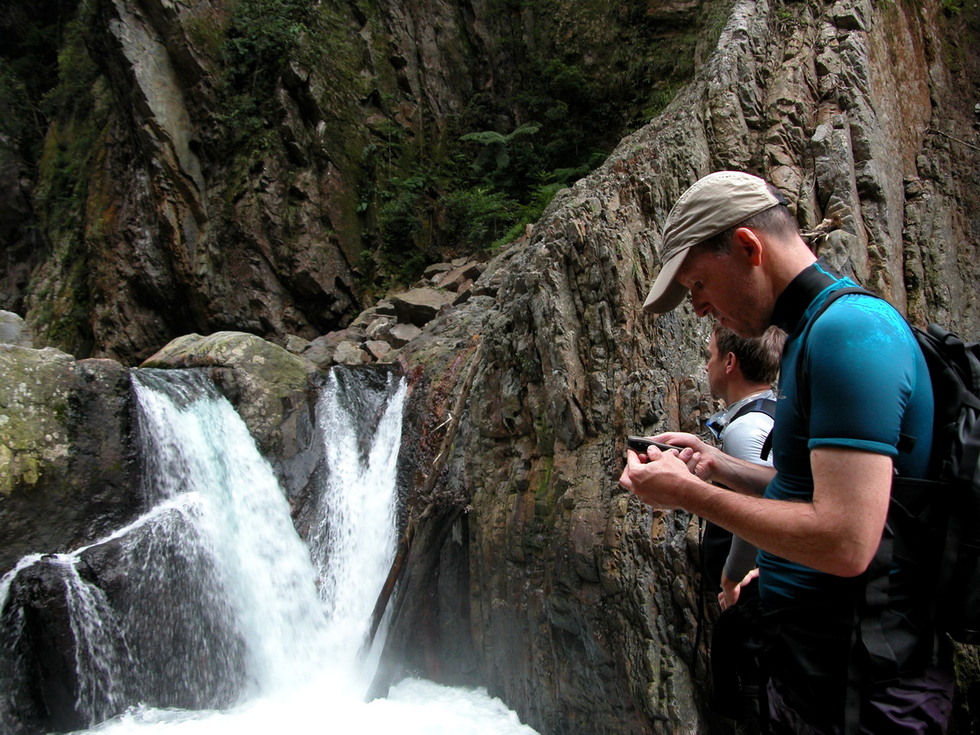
(14, 330)
(203, 147)
(580, 601)
(66, 453)
(529, 570)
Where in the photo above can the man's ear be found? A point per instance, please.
(731, 362)
(747, 243)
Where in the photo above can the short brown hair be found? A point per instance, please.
(777, 220)
(758, 357)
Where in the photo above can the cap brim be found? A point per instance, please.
(666, 293)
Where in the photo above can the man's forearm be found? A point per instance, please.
(740, 475)
(792, 530)
(837, 532)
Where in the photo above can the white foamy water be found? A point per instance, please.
(326, 705)
(299, 614)
(353, 538)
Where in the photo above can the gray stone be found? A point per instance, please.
(295, 344)
(420, 305)
(14, 330)
(377, 348)
(320, 351)
(402, 334)
(460, 275)
(350, 353)
(380, 328)
(436, 270)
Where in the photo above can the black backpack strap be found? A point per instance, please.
(767, 446)
(801, 381)
(762, 405)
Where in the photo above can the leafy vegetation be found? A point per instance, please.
(505, 156)
(18, 116)
(75, 113)
(261, 37)
(72, 126)
(29, 70)
(493, 180)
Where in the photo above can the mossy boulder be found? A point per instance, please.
(273, 390)
(65, 453)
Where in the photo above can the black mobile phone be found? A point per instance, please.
(639, 444)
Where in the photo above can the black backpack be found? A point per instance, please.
(949, 501)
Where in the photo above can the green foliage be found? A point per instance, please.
(75, 121)
(498, 149)
(261, 36)
(477, 217)
(77, 74)
(206, 34)
(75, 113)
(403, 223)
(398, 220)
(17, 113)
(495, 178)
(30, 68)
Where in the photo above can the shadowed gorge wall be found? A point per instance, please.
(310, 152)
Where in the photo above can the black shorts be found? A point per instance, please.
(812, 659)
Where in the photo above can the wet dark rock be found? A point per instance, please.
(41, 687)
(67, 472)
(420, 305)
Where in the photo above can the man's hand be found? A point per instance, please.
(702, 462)
(713, 465)
(730, 590)
(657, 477)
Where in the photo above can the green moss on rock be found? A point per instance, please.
(34, 394)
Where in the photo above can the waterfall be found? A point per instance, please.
(195, 442)
(353, 538)
(209, 613)
(101, 655)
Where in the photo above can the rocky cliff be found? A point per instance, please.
(529, 571)
(581, 602)
(180, 151)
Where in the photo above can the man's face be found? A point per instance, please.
(716, 370)
(726, 287)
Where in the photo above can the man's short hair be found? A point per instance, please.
(758, 357)
(777, 221)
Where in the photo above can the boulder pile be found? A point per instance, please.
(395, 320)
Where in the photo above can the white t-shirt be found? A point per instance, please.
(743, 438)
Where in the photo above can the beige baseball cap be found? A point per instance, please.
(710, 206)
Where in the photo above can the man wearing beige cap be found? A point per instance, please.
(853, 389)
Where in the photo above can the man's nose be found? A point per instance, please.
(701, 306)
